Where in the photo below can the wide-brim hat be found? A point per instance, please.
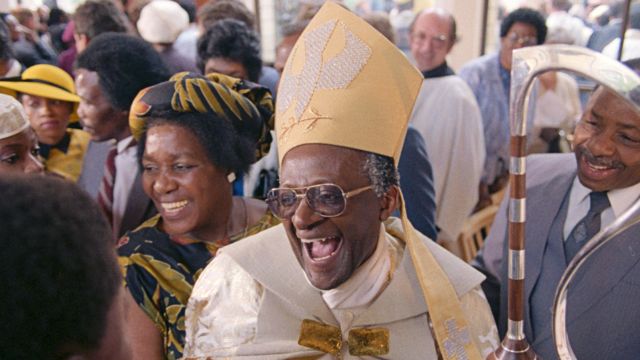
(46, 81)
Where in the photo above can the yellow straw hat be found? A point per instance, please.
(46, 81)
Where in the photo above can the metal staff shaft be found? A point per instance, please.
(527, 64)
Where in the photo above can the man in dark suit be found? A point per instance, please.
(568, 201)
(110, 73)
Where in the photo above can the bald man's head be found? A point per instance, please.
(432, 35)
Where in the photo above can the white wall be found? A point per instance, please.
(468, 15)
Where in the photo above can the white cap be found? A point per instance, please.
(13, 119)
(162, 21)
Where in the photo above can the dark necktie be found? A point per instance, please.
(105, 196)
(588, 226)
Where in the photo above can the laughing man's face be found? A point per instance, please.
(607, 143)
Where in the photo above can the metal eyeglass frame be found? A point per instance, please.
(301, 192)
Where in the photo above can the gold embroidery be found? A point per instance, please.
(310, 120)
(368, 341)
(336, 73)
(323, 337)
(328, 339)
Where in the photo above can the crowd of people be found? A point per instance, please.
(167, 194)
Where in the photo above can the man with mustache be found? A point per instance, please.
(568, 202)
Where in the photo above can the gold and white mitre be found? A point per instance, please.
(345, 84)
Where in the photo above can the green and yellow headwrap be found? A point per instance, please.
(248, 106)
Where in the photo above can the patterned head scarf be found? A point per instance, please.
(247, 106)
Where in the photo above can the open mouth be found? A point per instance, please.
(322, 249)
(598, 171)
(173, 207)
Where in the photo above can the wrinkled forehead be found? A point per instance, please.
(323, 152)
(612, 110)
(310, 163)
(26, 137)
(434, 21)
(609, 101)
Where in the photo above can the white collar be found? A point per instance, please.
(620, 199)
(15, 69)
(124, 144)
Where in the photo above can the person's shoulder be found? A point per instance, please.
(222, 271)
(545, 162)
(80, 134)
(478, 71)
(225, 298)
(100, 146)
(254, 242)
(79, 138)
(456, 87)
(463, 277)
(477, 64)
(413, 136)
(144, 236)
(544, 168)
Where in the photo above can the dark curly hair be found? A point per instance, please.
(233, 40)
(125, 65)
(527, 16)
(226, 148)
(58, 265)
(95, 17)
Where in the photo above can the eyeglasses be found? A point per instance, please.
(326, 200)
(516, 39)
(437, 41)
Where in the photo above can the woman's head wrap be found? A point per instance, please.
(247, 106)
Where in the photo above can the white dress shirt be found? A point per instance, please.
(126, 171)
(579, 203)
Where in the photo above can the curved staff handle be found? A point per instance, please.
(627, 87)
(527, 64)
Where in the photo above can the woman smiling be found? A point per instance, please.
(195, 134)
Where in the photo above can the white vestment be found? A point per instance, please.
(447, 115)
(249, 303)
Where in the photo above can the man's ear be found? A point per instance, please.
(389, 202)
(81, 41)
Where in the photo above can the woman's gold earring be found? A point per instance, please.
(231, 177)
